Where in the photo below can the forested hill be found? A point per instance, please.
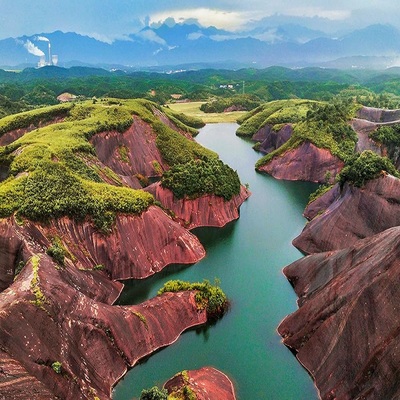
(35, 87)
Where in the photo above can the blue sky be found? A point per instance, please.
(111, 19)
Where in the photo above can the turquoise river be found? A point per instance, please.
(247, 256)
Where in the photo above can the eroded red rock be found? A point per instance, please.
(206, 383)
(350, 215)
(346, 331)
(304, 163)
(62, 314)
(270, 140)
(131, 152)
(206, 210)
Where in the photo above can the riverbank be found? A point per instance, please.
(193, 109)
(247, 256)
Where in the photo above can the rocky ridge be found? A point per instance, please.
(59, 329)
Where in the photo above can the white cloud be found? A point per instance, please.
(335, 15)
(195, 35)
(151, 36)
(230, 20)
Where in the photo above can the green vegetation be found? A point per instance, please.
(176, 149)
(273, 113)
(40, 298)
(388, 135)
(57, 251)
(49, 175)
(325, 125)
(198, 177)
(242, 102)
(319, 192)
(141, 317)
(154, 393)
(209, 297)
(193, 109)
(365, 166)
(34, 118)
(57, 367)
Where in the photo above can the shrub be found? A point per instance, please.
(57, 367)
(209, 297)
(198, 177)
(365, 166)
(154, 393)
(57, 251)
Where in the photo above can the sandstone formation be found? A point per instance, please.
(346, 331)
(15, 134)
(206, 210)
(137, 247)
(369, 119)
(130, 153)
(270, 139)
(60, 334)
(62, 314)
(304, 163)
(342, 218)
(206, 383)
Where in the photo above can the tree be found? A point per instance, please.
(154, 393)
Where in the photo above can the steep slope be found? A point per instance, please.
(206, 384)
(206, 210)
(346, 331)
(70, 225)
(340, 218)
(304, 163)
(303, 139)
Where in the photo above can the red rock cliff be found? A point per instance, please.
(137, 247)
(346, 331)
(304, 163)
(206, 210)
(206, 383)
(353, 214)
(62, 314)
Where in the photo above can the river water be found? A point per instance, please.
(247, 256)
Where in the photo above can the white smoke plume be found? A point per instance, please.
(42, 38)
(33, 49)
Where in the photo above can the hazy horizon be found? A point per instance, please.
(110, 20)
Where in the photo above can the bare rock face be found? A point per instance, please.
(130, 153)
(353, 214)
(206, 210)
(346, 331)
(378, 114)
(270, 140)
(304, 163)
(137, 247)
(15, 134)
(206, 383)
(14, 380)
(57, 321)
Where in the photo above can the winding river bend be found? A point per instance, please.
(247, 256)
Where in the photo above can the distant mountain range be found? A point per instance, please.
(190, 45)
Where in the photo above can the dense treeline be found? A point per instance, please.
(198, 177)
(31, 88)
(240, 102)
(365, 166)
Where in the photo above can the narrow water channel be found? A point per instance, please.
(247, 256)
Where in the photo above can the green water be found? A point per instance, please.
(247, 256)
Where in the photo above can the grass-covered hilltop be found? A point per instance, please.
(313, 140)
(93, 193)
(52, 169)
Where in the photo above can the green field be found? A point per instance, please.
(193, 109)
